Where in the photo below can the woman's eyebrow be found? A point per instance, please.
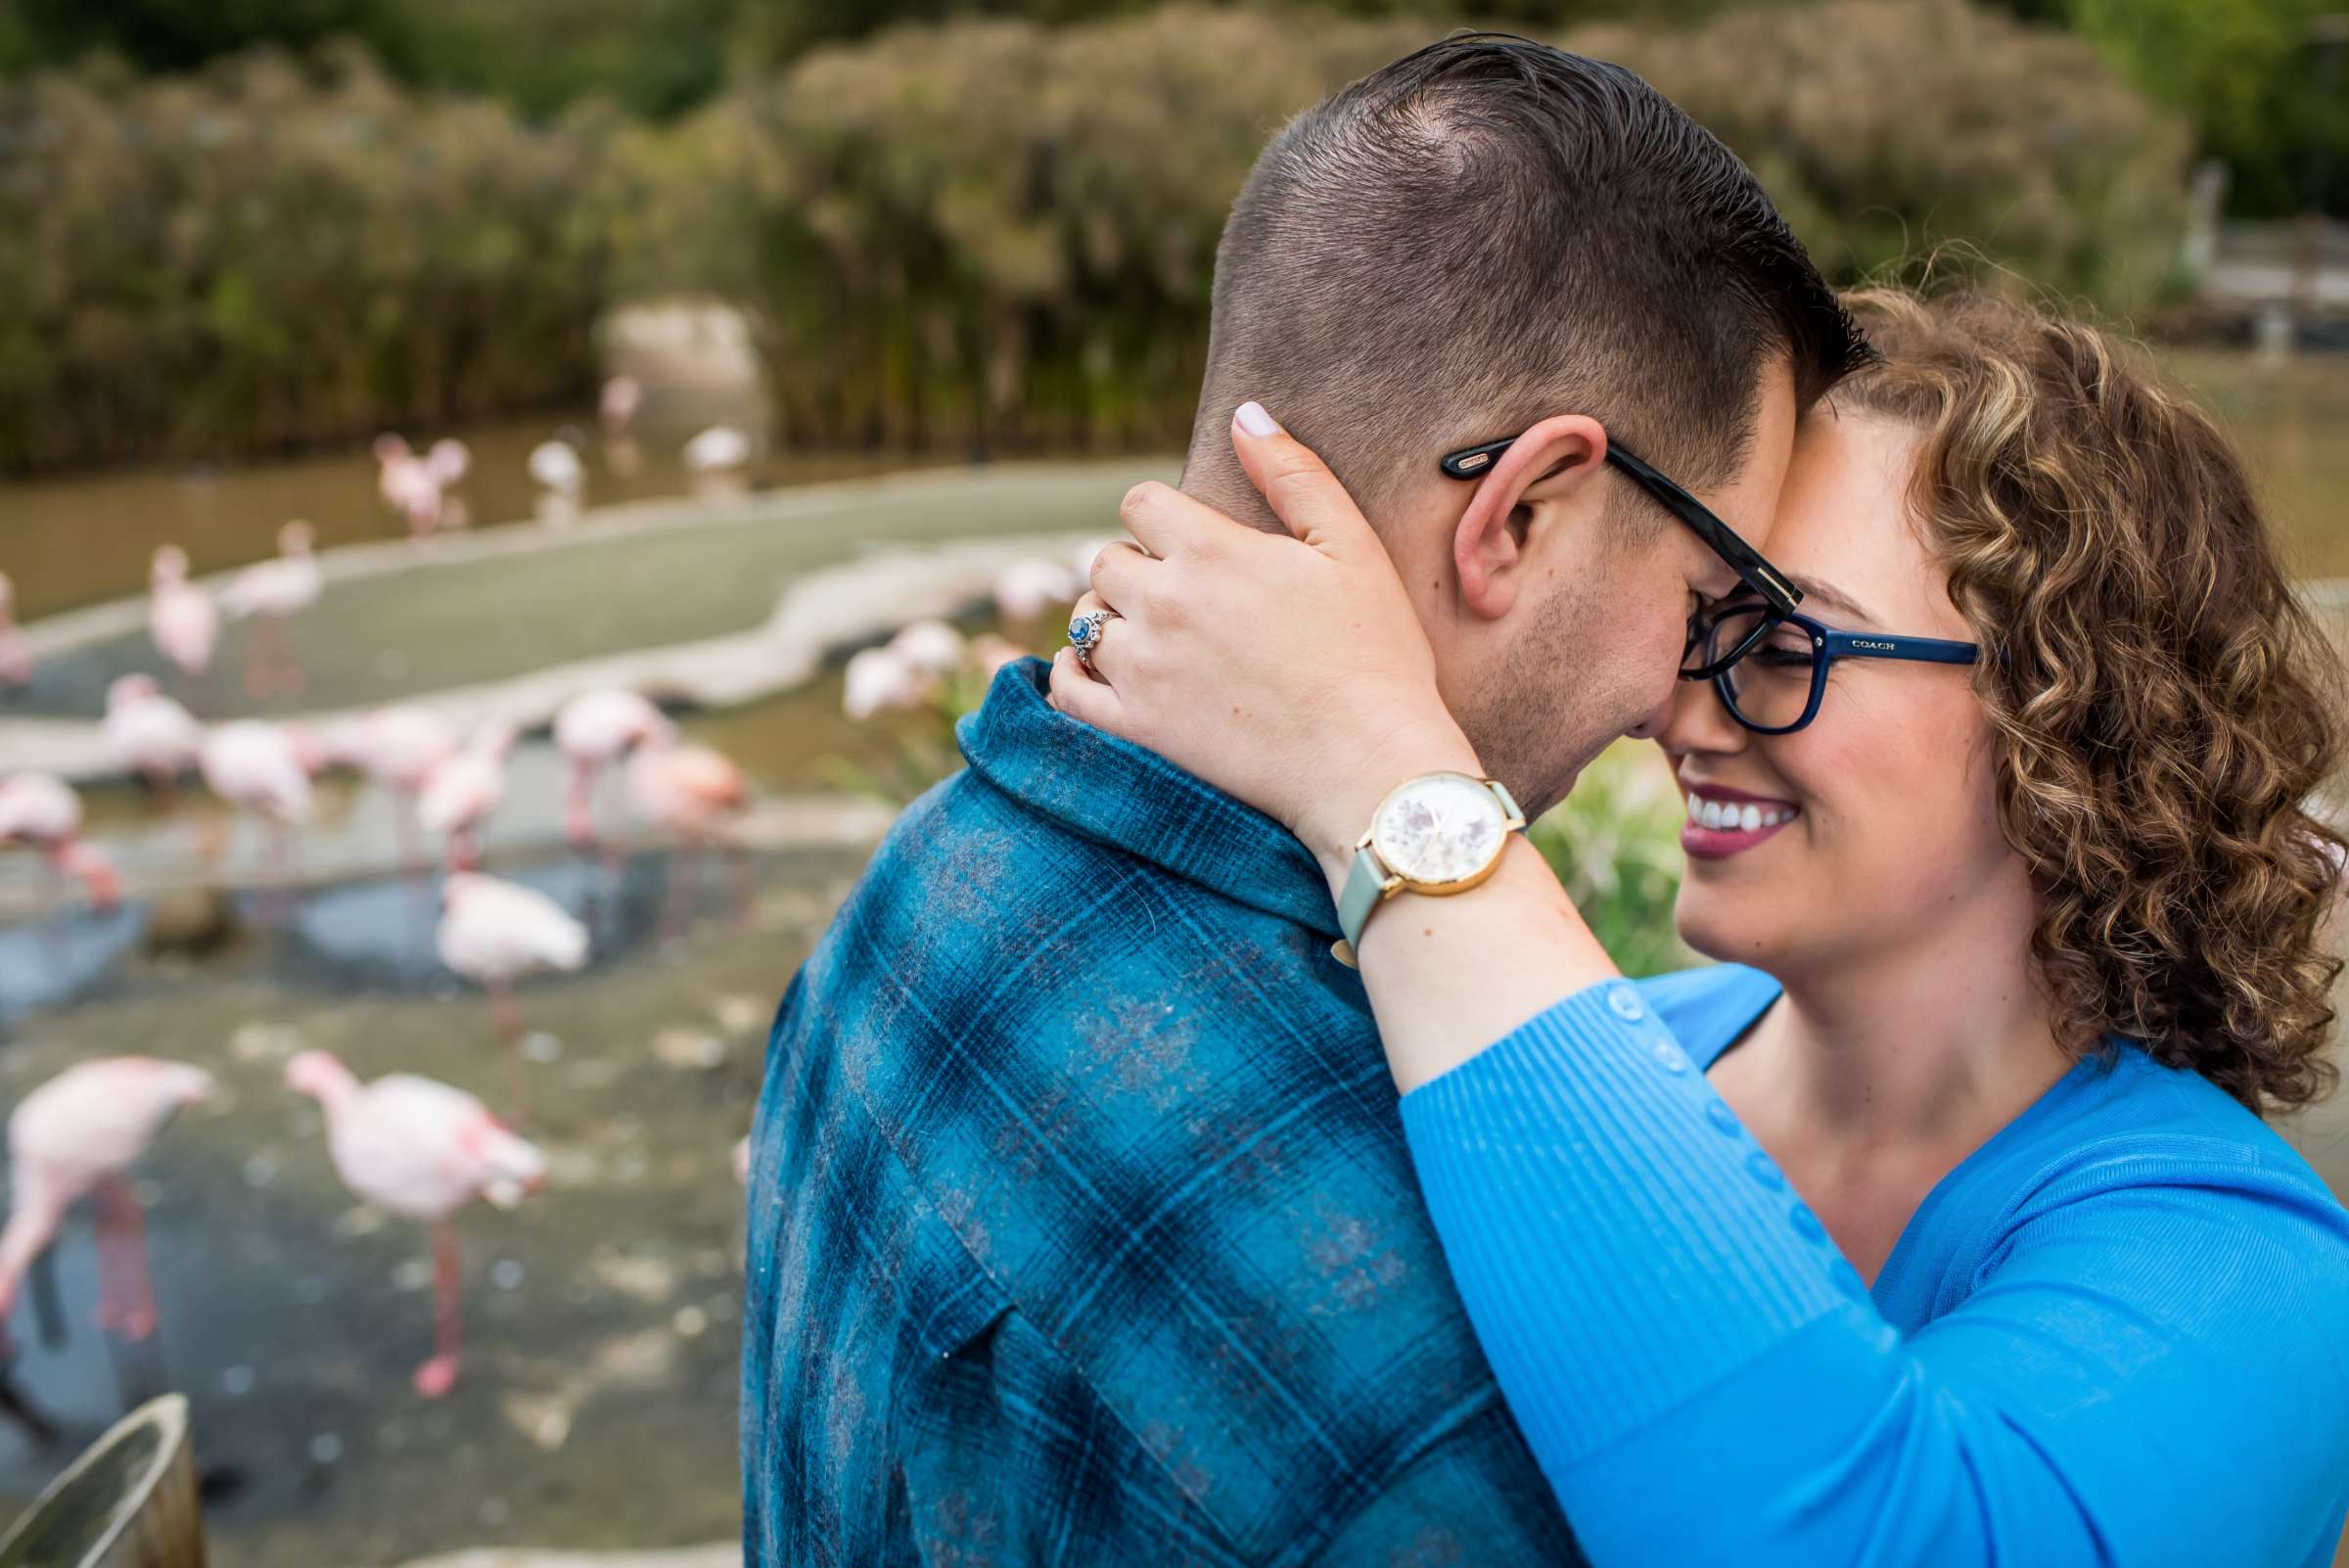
(1821, 592)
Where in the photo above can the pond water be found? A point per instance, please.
(597, 1408)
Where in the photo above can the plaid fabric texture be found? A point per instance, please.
(1081, 1226)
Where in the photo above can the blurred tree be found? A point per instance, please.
(994, 233)
(655, 56)
(265, 256)
(770, 33)
(2247, 74)
(168, 36)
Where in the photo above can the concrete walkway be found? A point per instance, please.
(705, 603)
(718, 1554)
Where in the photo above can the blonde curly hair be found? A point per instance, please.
(2167, 705)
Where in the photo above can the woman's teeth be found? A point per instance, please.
(1734, 818)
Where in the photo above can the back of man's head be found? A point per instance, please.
(1488, 232)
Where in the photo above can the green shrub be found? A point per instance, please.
(1615, 843)
(261, 257)
(994, 233)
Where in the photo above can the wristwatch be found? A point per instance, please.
(1440, 832)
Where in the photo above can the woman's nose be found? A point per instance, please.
(1696, 719)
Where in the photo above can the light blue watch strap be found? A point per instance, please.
(1365, 885)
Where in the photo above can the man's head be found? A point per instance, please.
(1492, 237)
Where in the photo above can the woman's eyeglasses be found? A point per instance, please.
(1762, 581)
(1774, 687)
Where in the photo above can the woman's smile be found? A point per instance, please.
(1724, 821)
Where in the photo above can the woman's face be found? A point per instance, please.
(1886, 830)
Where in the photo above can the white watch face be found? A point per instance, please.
(1443, 827)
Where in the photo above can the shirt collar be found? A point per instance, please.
(1117, 794)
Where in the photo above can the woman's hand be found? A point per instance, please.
(1287, 669)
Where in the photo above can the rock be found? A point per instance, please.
(189, 922)
(543, 1418)
(689, 1049)
(633, 1274)
(258, 1042)
(738, 1014)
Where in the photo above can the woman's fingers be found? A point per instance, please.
(1298, 487)
(1081, 697)
(1168, 523)
(1118, 575)
(1107, 656)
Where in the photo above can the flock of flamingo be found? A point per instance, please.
(408, 1146)
(405, 1144)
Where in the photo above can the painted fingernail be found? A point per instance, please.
(1251, 417)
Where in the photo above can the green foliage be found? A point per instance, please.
(996, 234)
(2252, 77)
(1615, 845)
(261, 257)
(991, 234)
(1888, 128)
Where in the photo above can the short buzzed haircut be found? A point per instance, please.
(1491, 231)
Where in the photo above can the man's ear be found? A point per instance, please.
(1553, 461)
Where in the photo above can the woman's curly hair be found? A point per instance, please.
(2168, 707)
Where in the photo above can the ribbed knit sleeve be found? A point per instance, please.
(2154, 1371)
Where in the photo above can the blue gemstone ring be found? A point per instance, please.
(1084, 634)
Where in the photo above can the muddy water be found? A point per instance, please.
(597, 1405)
(76, 541)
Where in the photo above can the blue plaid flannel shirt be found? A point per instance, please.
(1082, 1227)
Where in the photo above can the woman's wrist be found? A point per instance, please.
(1340, 813)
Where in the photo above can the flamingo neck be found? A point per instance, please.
(97, 872)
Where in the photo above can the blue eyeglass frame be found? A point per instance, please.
(1828, 645)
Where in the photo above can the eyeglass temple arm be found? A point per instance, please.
(1763, 579)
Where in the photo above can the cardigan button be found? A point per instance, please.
(1627, 1004)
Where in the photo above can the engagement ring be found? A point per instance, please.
(1084, 634)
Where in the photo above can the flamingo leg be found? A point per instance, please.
(685, 876)
(411, 845)
(438, 1375)
(134, 1279)
(108, 1230)
(745, 883)
(281, 873)
(48, 1307)
(508, 1015)
(578, 806)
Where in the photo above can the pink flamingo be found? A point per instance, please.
(77, 1135)
(495, 931)
(993, 652)
(879, 679)
(929, 646)
(1026, 589)
(16, 659)
(271, 592)
(417, 1148)
(41, 812)
(409, 485)
(399, 748)
(693, 792)
(465, 789)
(594, 730)
(621, 397)
(263, 768)
(151, 735)
(180, 616)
